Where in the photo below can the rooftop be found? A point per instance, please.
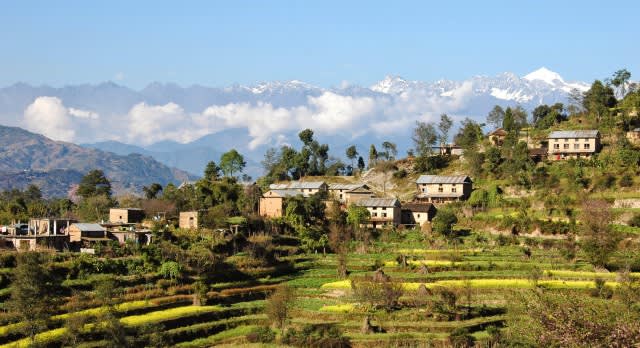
(417, 207)
(378, 202)
(89, 227)
(285, 192)
(574, 134)
(347, 187)
(297, 185)
(443, 179)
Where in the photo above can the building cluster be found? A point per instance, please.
(430, 190)
(124, 224)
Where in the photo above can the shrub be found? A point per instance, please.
(379, 290)
(399, 174)
(601, 290)
(316, 336)
(635, 221)
(626, 181)
(460, 337)
(261, 334)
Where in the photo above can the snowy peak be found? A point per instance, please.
(545, 75)
(390, 84)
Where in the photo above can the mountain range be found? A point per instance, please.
(185, 127)
(28, 158)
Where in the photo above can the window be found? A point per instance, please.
(576, 146)
(440, 189)
(374, 208)
(566, 146)
(453, 189)
(374, 214)
(587, 146)
(556, 146)
(555, 140)
(384, 214)
(418, 215)
(566, 140)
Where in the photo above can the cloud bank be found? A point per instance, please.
(329, 113)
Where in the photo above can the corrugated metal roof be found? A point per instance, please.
(286, 192)
(298, 185)
(88, 227)
(442, 179)
(345, 186)
(440, 194)
(574, 134)
(417, 207)
(636, 129)
(378, 202)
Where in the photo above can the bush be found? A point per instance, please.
(635, 221)
(460, 337)
(399, 174)
(626, 181)
(261, 334)
(316, 336)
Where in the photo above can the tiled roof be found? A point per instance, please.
(574, 134)
(378, 202)
(88, 227)
(442, 179)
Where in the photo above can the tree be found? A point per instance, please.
(444, 126)
(373, 156)
(278, 306)
(361, 165)
(352, 153)
(306, 136)
(598, 99)
(598, 240)
(469, 134)
(151, 192)
(391, 150)
(357, 216)
(339, 238)
(385, 167)
(620, 80)
(496, 116)
(443, 223)
(212, 171)
(95, 183)
(424, 137)
(232, 162)
(33, 292)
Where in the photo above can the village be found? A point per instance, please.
(431, 192)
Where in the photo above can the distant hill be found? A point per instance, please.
(27, 158)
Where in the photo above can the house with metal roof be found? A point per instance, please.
(350, 193)
(573, 144)
(306, 188)
(443, 188)
(87, 233)
(383, 211)
(417, 213)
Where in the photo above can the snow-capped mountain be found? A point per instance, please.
(167, 118)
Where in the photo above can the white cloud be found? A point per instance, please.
(49, 116)
(329, 113)
(119, 76)
(83, 113)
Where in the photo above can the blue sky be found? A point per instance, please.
(218, 43)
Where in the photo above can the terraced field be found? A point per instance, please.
(483, 278)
